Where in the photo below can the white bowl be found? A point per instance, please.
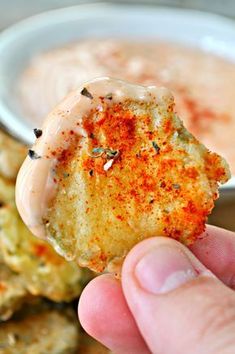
(22, 41)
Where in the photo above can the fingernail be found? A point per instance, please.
(163, 269)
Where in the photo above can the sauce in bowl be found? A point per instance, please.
(202, 83)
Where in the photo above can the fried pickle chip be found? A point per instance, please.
(7, 191)
(114, 166)
(41, 269)
(46, 332)
(12, 292)
(12, 154)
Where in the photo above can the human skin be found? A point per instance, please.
(170, 299)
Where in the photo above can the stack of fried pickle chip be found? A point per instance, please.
(37, 286)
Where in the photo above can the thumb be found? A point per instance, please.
(179, 306)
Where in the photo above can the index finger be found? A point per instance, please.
(216, 250)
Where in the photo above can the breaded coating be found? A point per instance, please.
(12, 154)
(7, 191)
(41, 269)
(121, 168)
(12, 292)
(47, 332)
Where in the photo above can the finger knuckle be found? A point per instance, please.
(218, 316)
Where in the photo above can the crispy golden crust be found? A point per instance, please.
(38, 266)
(7, 191)
(46, 332)
(41, 269)
(12, 154)
(138, 174)
(12, 292)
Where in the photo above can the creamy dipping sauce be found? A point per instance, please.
(202, 83)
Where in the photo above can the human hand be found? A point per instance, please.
(168, 301)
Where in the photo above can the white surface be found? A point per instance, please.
(15, 10)
(54, 28)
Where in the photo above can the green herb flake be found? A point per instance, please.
(37, 132)
(33, 155)
(98, 150)
(109, 96)
(107, 153)
(156, 147)
(176, 186)
(86, 93)
(111, 154)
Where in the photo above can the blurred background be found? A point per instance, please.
(14, 10)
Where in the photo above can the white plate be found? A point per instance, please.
(29, 37)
